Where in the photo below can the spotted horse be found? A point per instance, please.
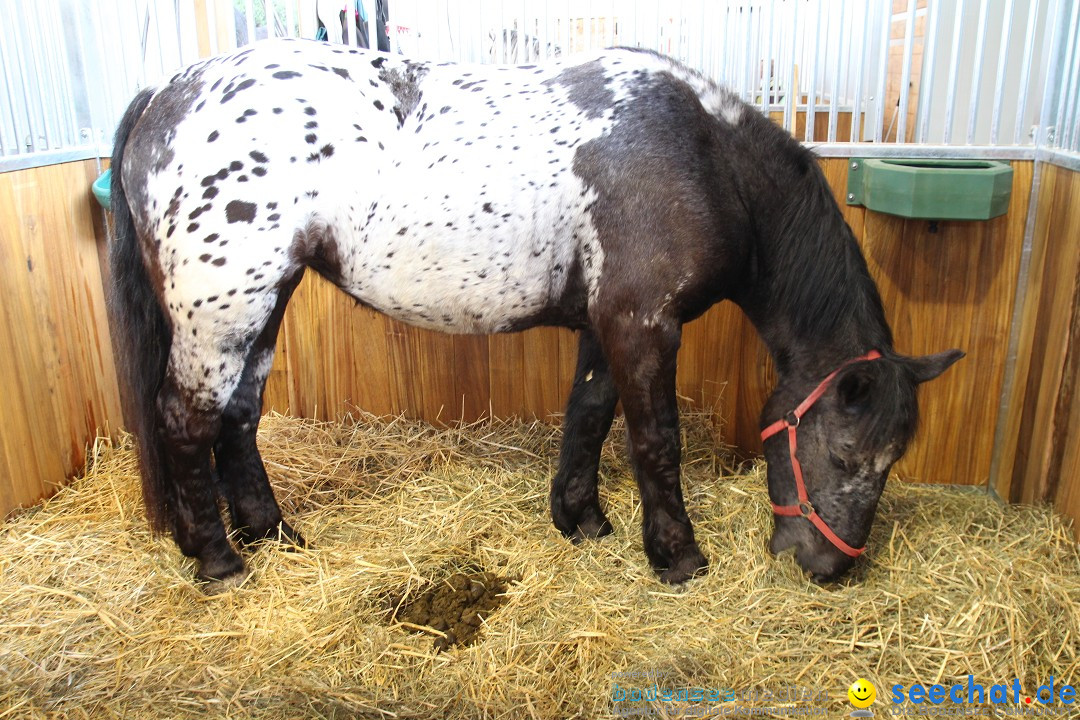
(618, 194)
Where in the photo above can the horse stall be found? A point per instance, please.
(414, 569)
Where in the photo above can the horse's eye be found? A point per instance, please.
(839, 463)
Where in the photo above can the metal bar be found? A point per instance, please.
(152, 8)
(546, 37)
(1064, 131)
(26, 161)
(791, 97)
(766, 69)
(912, 150)
(54, 59)
(30, 142)
(977, 72)
(905, 74)
(746, 83)
(1070, 160)
(48, 100)
(9, 86)
(249, 20)
(926, 76)
(864, 47)
(1070, 49)
(811, 95)
(350, 23)
(999, 82)
(290, 19)
(1021, 284)
(954, 70)
(31, 51)
(883, 66)
(835, 96)
(271, 19)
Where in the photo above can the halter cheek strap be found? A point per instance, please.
(791, 421)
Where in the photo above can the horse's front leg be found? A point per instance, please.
(575, 502)
(642, 354)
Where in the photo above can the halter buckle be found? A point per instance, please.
(792, 420)
(806, 508)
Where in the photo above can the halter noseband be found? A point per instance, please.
(805, 508)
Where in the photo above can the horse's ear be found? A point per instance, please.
(929, 367)
(853, 388)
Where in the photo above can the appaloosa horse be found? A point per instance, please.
(619, 194)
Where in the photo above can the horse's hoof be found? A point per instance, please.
(591, 529)
(690, 565)
(222, 574)
(590, 524)
(282, 533)
(214, 586)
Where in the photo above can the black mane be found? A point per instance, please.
(811, 283)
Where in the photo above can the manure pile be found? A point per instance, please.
(412, 526)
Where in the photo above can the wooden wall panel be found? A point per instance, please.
(1040, 457)
(56, 361)
(952, 287)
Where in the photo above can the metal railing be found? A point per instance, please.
(994, 78)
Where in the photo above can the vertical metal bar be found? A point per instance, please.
(977, 72)
(546, 37)
(954, 71)
(765, 63)
(883, 66)
(39, 74)
(53, 60)
(48, 100)
(290, 19)
(349, 38)
(861, 60)
(791, 97)
(1064, 131)
(59, 54)
(999, 81)
(157, 36)
(271, 19)
(746, 83)
(29, 144)
(1053, 73)
(1067, 81)
(249, 20)
(926, 81)
(9, 86)
(905, 74)
(834, 98)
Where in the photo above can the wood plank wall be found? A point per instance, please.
(953, 287)
(1040, 457)
(56, 361)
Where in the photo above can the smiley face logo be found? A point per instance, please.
(862, 693)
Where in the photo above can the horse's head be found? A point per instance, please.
(849, 430)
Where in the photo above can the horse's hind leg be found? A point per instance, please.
(575, 502)
(643, 360)
(210, 349)
(190, 418)
(254, 510)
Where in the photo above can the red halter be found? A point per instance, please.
(791, 422)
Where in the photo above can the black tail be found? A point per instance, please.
(141, 333)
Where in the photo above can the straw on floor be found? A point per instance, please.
(99, 619)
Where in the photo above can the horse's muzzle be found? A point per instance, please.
(813, 552)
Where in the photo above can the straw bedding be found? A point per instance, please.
(99, 619)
